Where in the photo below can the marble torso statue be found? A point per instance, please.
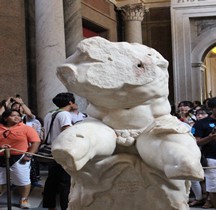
(126, 86)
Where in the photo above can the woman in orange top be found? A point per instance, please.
(15, 134)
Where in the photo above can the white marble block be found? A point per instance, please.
(130, 153)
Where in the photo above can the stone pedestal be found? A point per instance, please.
(124, 181)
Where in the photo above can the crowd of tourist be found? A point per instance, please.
(201, 119)
(22, 133)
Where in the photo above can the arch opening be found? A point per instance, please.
(209, 60)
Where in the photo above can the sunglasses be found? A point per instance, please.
(6, 133)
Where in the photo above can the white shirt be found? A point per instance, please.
(76, 117)
(63, 118)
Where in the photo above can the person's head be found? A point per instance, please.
(198, 107)
(11, 117)
(18, 107)
(201, 113)
(63, 99)
(212, 105)
(196, 103)
(205, 102)
(185, 106)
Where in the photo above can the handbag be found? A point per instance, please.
(45, 148)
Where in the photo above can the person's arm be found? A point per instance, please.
(200, 132)
(2, 109)
(65, 119)
(25, 107)
(205, 140)
(34, 143)
(64, 127)
(32, 149)
(7, 104)
(5, 146)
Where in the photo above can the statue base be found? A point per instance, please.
(124, 181)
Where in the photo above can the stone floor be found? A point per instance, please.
(35, 198)
(199, 208)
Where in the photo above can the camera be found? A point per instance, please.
(12, 100)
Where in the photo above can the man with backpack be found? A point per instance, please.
(58, 180)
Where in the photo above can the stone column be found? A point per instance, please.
(133, 15)
(199, 82)
(50, 51)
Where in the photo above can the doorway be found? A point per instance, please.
(210, 73)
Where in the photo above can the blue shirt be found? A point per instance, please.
(203, 128)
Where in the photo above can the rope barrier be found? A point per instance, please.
(51, 158)
(33, 154)
(2, 150)
(213, 167)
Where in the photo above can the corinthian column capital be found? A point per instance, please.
(134, 12)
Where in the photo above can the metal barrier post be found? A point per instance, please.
(7, 156)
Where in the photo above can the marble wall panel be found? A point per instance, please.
(13, 78)
(73, 25)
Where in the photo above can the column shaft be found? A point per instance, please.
(133, 31)
(50, 51)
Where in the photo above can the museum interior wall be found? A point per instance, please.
(156, 30)
(100, 17)
(13, 63)
(73, 23)
(193, 34)
(31, 53)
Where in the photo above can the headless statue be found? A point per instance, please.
(126, 86)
